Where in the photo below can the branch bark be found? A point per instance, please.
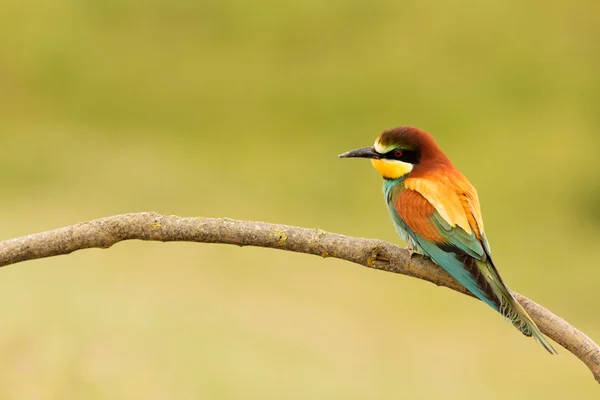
(372, 253)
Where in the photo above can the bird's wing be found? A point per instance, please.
(444, 219)
(445, 211)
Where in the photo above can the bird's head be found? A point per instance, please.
(397, 151)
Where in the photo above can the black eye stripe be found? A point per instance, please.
(409, 156)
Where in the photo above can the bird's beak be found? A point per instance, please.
(364, 152)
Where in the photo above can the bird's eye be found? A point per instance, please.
(398, 153)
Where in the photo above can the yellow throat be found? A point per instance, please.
(392, 169)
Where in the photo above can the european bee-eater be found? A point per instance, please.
(436, 212)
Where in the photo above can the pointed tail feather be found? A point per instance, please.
(516, 314)
(489, 281)
(482, 279)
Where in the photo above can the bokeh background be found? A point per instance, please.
(239, 108)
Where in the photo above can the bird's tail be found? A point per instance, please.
(516, 314)
(482, 279)
(510, 308)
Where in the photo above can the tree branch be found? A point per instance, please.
(372, 253)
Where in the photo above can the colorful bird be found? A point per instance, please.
(436, 212)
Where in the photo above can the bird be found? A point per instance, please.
(436, 211)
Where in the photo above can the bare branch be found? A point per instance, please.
(105, 232)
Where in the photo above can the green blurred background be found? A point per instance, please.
(239, 109)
